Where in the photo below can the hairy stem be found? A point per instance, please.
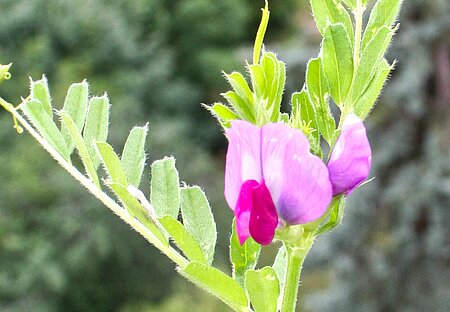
(296, 256)
(170, 252)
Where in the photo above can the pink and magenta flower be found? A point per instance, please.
(272, 178)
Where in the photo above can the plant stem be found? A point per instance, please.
(166, 249)
(296, 256)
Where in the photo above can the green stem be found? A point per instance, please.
(296, 256)
(166, 249)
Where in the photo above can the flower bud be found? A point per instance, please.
(350, 159)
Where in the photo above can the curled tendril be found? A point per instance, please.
(10, 108)
(7, 76)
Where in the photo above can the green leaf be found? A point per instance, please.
(183, 239)
(44, 123)
(75, 137)
(133, 156)
(337, 56)
(260, 34)
(223, 113)
(263, 289)
(350, 3)
(112, 163)
(165, 188)
(242, 109)
(258, 78)
(328, 12)
(336, 214)
(275, 72)
(365, 103)
(75, 106)
(40, 91)
(383, 13)
(304, 113)
(136, 210)
(318, 93)
(280, 265)
(198, 219)
(369, 63)
(240, 86)
(96, 127)
(243, 257)
(217, 283)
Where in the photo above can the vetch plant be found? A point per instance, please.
(279, 183)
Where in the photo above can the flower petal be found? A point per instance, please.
(297, 180)
(243, 160)
(263, 216)
(243, 209)
(351, 157)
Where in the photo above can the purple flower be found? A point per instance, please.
(350, 159)
(271, 178)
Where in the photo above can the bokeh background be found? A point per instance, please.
(61, 250)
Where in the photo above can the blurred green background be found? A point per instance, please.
(60, 250)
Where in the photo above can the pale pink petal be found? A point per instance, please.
(350, 159)
(298, 181)
(263, 216)
(243, 158)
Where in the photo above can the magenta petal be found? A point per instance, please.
(243, 209)
(350, 159)
(263, 216)
(243, 158)
(297, 180)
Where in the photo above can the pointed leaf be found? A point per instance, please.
(223, 113)
(217, 283)
(263, 289)
(350, 3)
(112, 163)
(365, 103)
(96, 127)
(258, 78)
(183, 239)
(198, 219)
(242, 109)
(337, 56)
(240, 86)
(369, 63)
(136, 210)
(133, 156)
(40, 91)
(383, 13)
(75, 136)
(45, 125)
(243, 257)
(304, 113)
(328, 12)
(275, 72)
(75, 106)
(165, 188)
(260, 34)
(318, 93)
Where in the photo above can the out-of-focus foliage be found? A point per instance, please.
(59, 248)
